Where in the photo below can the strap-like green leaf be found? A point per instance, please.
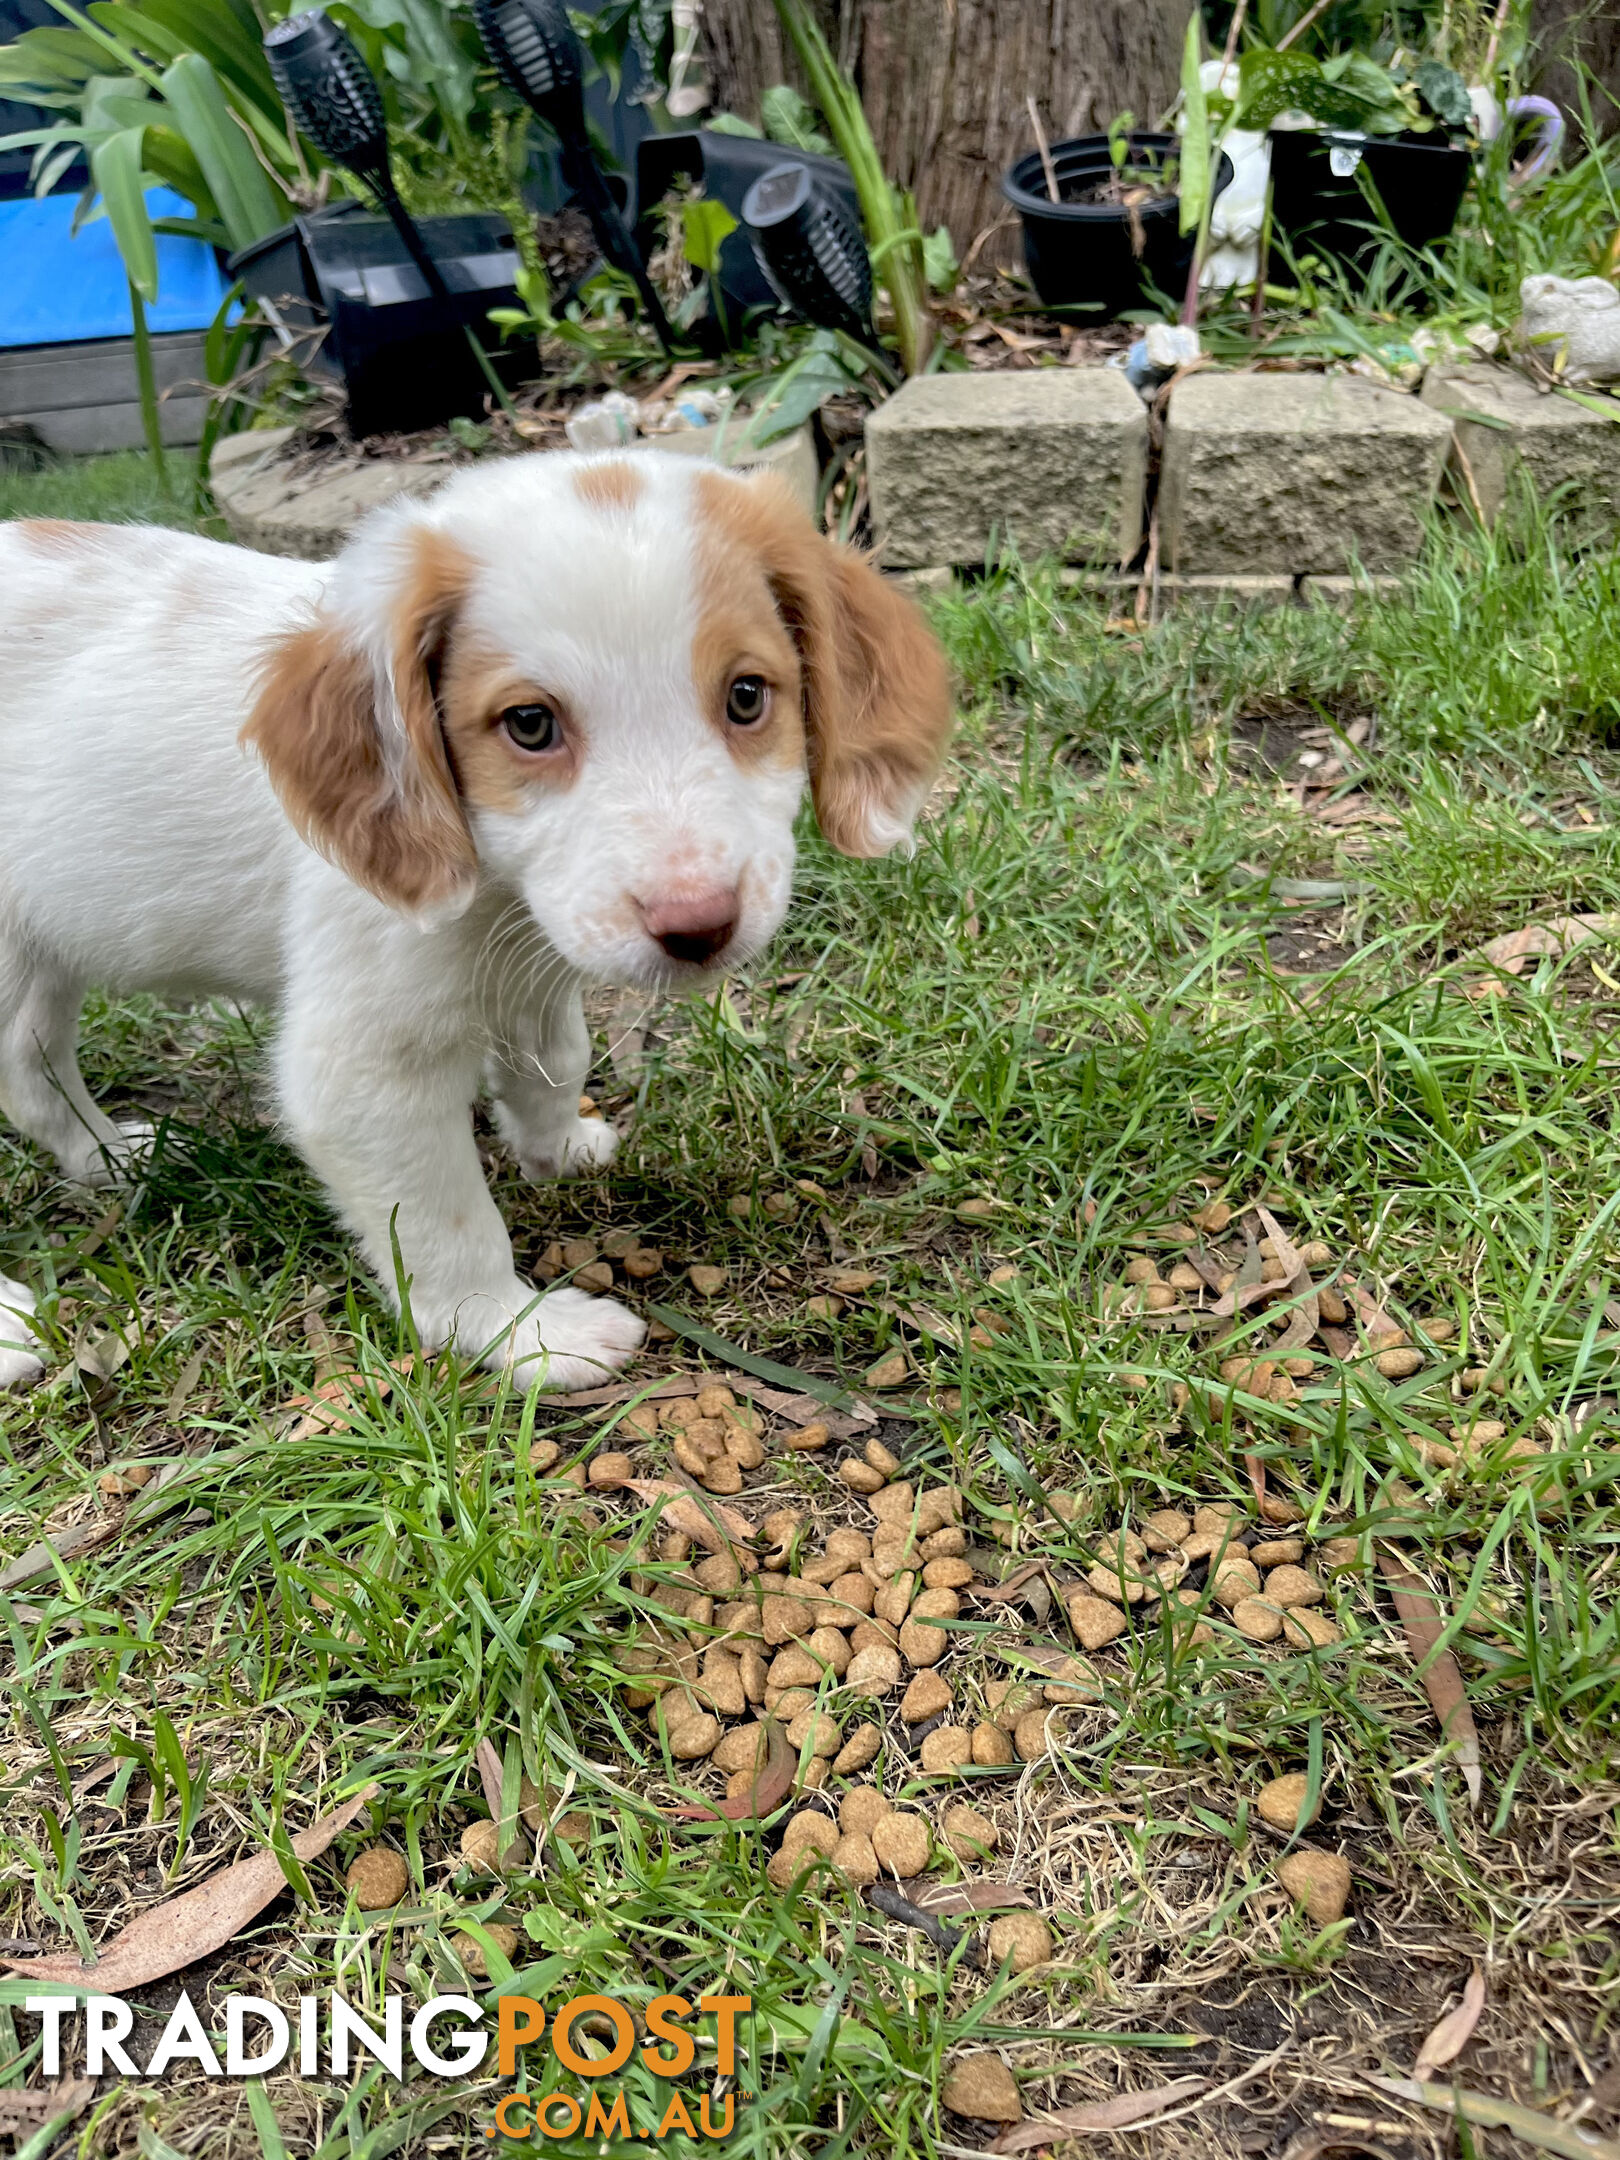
(115, 167)
(246, 203)
(1195, 128)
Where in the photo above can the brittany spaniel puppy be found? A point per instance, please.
(548, 728)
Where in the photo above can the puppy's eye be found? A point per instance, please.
(747, 699)
(531, 727)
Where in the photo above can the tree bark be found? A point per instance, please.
(1576, 40)
(944, 82)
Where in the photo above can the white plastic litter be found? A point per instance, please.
(1578, 318)
(606, 423)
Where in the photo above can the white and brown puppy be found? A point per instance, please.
(548, 728)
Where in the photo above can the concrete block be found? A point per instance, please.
(1504, 427)
(1226, 594)
(1278, 475)
(1053, 460)
(1345, 593)
(793, 456)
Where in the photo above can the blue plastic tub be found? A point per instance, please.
(58, 287)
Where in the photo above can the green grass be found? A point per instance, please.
(1066, 1002)
(120, 489)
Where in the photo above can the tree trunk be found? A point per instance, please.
(945, 82)
(1575, 39)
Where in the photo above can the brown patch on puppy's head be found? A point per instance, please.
(613, 486)
(58, 536)
(357, 751)
(876, 695)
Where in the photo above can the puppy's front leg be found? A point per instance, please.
(536, 1098)
(389, 1128)
(20, 1363)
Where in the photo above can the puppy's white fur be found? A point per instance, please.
(288, 784)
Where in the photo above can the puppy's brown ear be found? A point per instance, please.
(877, 696)
(877, 707)
(354, 746)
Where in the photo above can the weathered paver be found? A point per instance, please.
(1052, 460)
(1284, 475)
(1506, 428)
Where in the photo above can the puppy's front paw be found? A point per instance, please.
(587, 1144)
(104, 1165)
(19, 1365)
(568, 1341)
(573, 1341)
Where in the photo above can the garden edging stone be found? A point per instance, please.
(279, 510)
(1050, 460)
(1289, 475)
(1503, 426)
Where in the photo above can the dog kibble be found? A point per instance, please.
(378, 1877)
(1293, 1586)
(1165, 1529)
(1031, 1735)
(1277, 1552)
(707, 1281)
(471, 1951)
(946, 1749)
(981, 2087)
(824, 1733)
(1304, 1629)
(992, 1748)
(1233, 1579)
(860, 1476)
(1279, 1802)
(1022, 1936)
(889, 1372)
(1319, 1880)
(873, 1671)
(970, 1835)
(1257, 1620)
(861, 1810)
(902, 1843)
(480, 1847)
(855, 1860)
(862, 1747)
(1094, 1621)
(805, 1439)
(608, 1472)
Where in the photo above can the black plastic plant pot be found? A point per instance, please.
(1319, 202)
(726, 167)
(1091, 258)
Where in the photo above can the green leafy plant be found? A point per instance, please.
(893, 236)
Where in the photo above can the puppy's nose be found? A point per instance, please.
(695, 927)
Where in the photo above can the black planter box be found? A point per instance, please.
(402, 353)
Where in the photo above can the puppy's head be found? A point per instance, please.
(601, 683)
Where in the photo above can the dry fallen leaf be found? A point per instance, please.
(1454, 2031)
(1423, 1619)
(31, 2107)
(1539, 940)
(1305, 1318)
(771, 1786)
(709, 1521)
(950, 1900)
(181, 1930)
(1527, 2123)
(1116, 2114)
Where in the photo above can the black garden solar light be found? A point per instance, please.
(810, 247)
(538, 57)
(330, 93)
(332, 98)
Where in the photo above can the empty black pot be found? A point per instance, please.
(1420, 180)
(1083, 255)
